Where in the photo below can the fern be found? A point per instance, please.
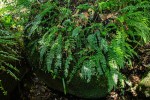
(67, 64)
(50, 56)
(97, 44)
(58, 63)
(10, 29)
(2, 89)
(8, 55)
(87, 70)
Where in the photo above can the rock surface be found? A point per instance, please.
(78, 87)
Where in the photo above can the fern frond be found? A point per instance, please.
(58, 62)
(2, 89)
(12, 74)
(11, 67)
(49, 57)
(87, 70)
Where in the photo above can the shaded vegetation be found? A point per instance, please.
(71, 38)
(90, 39)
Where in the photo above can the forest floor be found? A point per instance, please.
(32, 88)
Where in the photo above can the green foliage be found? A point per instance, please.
(91, 39)
(2, 89)
(8, 55)
(11, 22)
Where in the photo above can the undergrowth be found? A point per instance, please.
(8, 54)
(11, 28)
(86, 39)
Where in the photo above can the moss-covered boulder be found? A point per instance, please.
(96, 88)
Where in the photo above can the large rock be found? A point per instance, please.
(78, 87)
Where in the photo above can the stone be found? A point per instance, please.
(78, 87)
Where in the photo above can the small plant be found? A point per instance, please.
(95, 38)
